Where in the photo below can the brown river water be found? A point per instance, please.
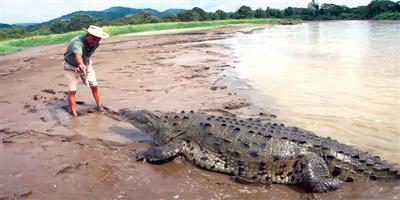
(339, 79)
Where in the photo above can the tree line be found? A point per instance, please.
(376, 9)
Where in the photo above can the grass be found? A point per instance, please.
(14, 45)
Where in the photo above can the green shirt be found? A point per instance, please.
(80, 46)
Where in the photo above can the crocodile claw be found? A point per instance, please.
(140, 156)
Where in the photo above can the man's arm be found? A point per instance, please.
(81, 66)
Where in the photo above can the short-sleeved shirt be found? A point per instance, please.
(80, 46)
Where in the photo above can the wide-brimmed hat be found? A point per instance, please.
(96, 31)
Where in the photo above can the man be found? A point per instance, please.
(78, 65)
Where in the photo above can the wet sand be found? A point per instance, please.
(47, 154)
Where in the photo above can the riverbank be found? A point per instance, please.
(47, 154)
(15, 45)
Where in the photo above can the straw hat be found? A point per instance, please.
(97, 31)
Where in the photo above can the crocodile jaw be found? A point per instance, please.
(141, 119)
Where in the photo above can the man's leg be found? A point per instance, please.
(96, 95)
(91, 78)
(72, 82)
(71, 103)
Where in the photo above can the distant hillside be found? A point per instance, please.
(20, 25)
(5, 25)
(25, 24)
(118, 12)
(172, 11)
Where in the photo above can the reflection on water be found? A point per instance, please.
(339, 79)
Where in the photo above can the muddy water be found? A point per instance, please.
(339, 79)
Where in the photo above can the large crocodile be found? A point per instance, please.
(257, 152)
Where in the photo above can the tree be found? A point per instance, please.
(60, 26)
(313, 7)
(145, 18)
(170, 18)
(141, 18)
(333, 10)
(360, 11)
(377, 7)
(201, 12)
(188, 15)
(244, 12)
(273, 12)
(213, 16)
(398, 6)
(13, 32)
(259, 13)
(221, 14)
(41, 30)
(288, 12)
(78, 22)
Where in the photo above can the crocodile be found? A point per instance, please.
(256, 152)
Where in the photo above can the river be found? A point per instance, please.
(339, 79)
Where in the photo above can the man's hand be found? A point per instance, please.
(81, 69)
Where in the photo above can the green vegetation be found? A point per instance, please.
(388, 16)
(10, 46)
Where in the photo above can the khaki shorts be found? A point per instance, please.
(73, 77)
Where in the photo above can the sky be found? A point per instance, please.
(28, 11)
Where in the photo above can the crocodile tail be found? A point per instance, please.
(348, 163)
(344, 162)
(349, 169)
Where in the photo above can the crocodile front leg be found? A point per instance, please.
(162, 153)
(315, 175)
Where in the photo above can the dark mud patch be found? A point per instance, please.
(235, 104)
(50, 91)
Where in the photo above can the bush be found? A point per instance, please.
(213, 16)
(221, 14)
(188, 15)
(170, 18)
(141, 18)
(388, 16)
(201, 12)
(349, 16)
(260, 13)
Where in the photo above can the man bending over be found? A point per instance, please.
(78, 65)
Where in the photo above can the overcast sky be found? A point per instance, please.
(23, 11)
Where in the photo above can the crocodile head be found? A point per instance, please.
(148, 122)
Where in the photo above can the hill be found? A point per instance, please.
(117, 12)
(5, 25)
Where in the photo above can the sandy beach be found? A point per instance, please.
(48, 154)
